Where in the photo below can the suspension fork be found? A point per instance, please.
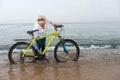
(63, 44)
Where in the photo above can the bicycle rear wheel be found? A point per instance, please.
(16, 55)
(68, 50)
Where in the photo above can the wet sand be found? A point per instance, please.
(94, 64)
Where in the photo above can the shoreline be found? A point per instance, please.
(93, 64)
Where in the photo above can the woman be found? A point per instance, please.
(41, 24)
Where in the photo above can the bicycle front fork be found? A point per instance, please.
(63, 44)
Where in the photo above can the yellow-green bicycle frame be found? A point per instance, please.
(53, 34)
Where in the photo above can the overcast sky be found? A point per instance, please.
(26, 11)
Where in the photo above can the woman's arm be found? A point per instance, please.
(52, 23)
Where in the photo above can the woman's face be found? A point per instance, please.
(41, 22)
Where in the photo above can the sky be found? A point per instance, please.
(26, 11)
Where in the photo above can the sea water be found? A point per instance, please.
(87, 35)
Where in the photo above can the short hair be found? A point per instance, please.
(41, 17)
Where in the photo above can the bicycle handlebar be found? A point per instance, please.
(58, 26)
(31, 32)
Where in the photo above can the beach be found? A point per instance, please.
(93, 64)
(93, 26)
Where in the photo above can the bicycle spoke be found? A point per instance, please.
(17, 55)
(67, 51)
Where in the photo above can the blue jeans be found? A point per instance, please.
(41, 45)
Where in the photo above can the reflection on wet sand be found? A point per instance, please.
(44, 71)
(92, 65)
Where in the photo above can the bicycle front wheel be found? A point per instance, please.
(16, 53)
(66, 50)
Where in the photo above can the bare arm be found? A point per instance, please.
(52, 23)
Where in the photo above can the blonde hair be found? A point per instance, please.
(41, 17)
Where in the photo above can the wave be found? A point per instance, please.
(82, 47)
(3, 51)
(95, 47)
(83, 44)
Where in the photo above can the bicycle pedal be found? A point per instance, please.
(36, 59)
(44, 60)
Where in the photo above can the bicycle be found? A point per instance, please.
(65, 50)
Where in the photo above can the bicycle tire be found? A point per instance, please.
(17, 48)
(60, 53)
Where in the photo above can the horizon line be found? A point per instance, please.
(66, 22)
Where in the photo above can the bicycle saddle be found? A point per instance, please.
(31, 32)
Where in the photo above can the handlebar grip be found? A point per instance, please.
(58, 26)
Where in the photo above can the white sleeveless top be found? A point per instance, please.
(41, 31)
